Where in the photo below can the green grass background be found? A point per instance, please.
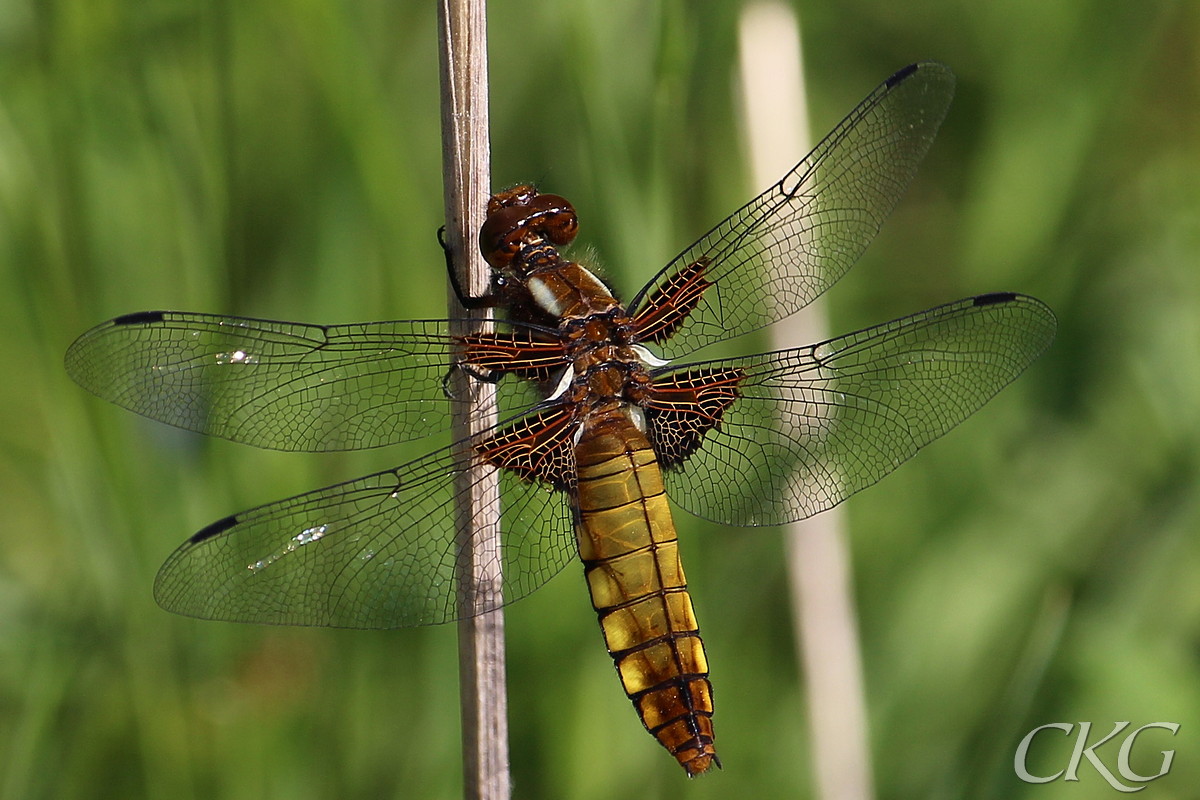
(280, 158)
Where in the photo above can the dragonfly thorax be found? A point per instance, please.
(568, 291)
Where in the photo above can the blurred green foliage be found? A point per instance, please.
(281, 159)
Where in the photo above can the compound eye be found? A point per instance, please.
(500, 236)
(518, 216)
(520, 195)
(556, 218)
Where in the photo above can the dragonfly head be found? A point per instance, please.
(519, 217)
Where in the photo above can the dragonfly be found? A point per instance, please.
(602, 419)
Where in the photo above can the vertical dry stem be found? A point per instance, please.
(462, 29)
(827, 634)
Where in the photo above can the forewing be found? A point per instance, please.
(785, 247)
(814, 425)
(377, 552)
(276, 385)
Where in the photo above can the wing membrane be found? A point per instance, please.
(276, 385)
(816, 424)
(781, 250)
(376, 552)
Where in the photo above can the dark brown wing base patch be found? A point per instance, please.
(671, 303)
(518, 353)
(538, 447)
(686, 405)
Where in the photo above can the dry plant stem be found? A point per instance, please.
(827, 632)
(462, 33)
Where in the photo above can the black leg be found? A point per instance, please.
(484, 377)
(484, 301)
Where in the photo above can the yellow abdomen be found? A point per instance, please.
(630, 554)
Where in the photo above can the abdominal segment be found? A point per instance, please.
(630, 553)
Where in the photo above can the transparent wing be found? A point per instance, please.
(814, 425)
(785, 247)
(276, 385)
(376, 552)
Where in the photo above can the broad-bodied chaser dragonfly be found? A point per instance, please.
(605, 422)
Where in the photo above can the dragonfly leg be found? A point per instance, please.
(491, 376)
(465, 300)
